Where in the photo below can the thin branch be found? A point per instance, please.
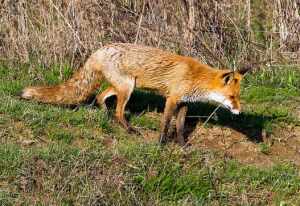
(140, 23)
(208, 118)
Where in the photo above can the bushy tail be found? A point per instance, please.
(73, 91)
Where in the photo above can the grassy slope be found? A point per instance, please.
(66, 156)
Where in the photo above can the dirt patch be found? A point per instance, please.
(283, 145)
(286, 145)
(230, 142)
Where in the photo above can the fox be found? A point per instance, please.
(180, 79)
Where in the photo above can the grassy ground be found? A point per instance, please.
(52, 155)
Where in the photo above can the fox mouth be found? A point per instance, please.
(233, 111)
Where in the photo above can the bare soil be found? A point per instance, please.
(283, 144)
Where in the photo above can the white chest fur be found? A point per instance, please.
(195, 98)
(217, 97)
(211, 96)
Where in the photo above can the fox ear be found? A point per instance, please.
(244, 69)
(227, 77)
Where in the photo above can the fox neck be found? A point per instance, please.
(221, 99)
(197, 95)
(210, 96)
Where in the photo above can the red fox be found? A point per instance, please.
(127, 66)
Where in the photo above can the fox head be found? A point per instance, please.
(227, 89)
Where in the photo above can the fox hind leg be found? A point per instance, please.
(103, 96)
(123, 96)
(122, 99)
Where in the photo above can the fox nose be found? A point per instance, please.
(235, 111)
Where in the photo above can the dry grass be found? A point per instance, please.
(232, 32)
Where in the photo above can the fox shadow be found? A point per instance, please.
(249, 124)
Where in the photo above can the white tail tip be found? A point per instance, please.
(27, 93)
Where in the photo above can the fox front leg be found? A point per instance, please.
(180, 121)
(170, 108)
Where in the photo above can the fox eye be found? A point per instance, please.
(231, 97)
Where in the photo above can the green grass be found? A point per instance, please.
(138, 174)
(81, 157)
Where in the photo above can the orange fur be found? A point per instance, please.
(126, 66)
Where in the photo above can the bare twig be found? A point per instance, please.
(208, 118)
(140, 23)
